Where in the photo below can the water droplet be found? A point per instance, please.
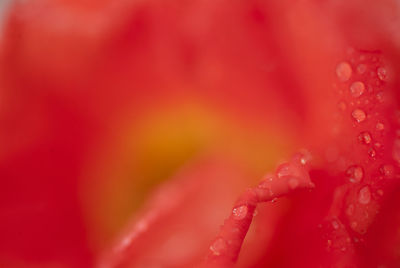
(355, 173)
(293, 183)
(283, 170)
(359, 115)
(380, 126)
(335, 224)
(361, 68)
(239, 213)
(354, 226)
(365, 137)
(342, 106)
(343, 71)
(264, 184)
(382, 73)
(364, 196)
(274, 200)
(305, 157)
(380, 97)
(387, 170)
(255, 213)
(380, 192)
(343, 249)
(218, 247)
(357, 89)
(371, 152)
(350, 210)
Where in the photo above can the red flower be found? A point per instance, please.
(167, 111)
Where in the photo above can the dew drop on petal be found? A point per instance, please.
(382, 73)
(359, 115)
(355, 174)
(380, 97)
(274, 200)
(218, 247)
(380, 126)
(361, 68)
(357, 89)
(364, 196)
(371, 152)
(283, 171)
(387, 170)
(264, 185)
(365, 137)
(255, 213)
(293, 183)
(239, 213)
(343, 71)
(305, 157)
(266, 181)
(335, 224)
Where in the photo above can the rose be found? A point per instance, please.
(101, 101)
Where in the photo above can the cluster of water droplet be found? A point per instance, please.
(357, 91)
(364, 196)
(239, 213)
(219, 247)
(355, 173)
(354, 74)
(340, 241)
(362, 80)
